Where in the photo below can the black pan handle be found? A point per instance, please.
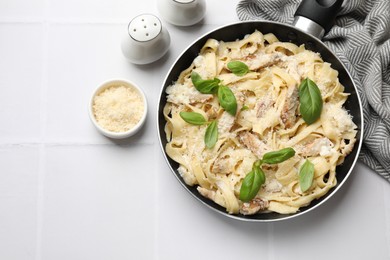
(321, 12)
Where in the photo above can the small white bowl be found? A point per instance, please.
(112, 83)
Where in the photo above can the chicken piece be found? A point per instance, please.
(253, 206)
(262, 60)
(253, 143)
(222, 165)
(290, 107)
(263, 105)
(319, 146)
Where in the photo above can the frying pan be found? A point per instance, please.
(313, 19)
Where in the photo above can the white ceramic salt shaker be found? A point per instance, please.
(145, 40)
(182, 12)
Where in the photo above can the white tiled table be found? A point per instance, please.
(68, 193)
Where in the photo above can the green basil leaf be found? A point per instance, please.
(211, 135)
(247, 186)
(260, 175)
(238, 68)
(278, 156)
(193, 118)
(257, 163)
(310, 101)
(251, 184)
(306, 175)
(207, 86)
(227, 100)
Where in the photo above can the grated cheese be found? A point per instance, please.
(118, 108)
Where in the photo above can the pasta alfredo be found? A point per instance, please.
(267, 119)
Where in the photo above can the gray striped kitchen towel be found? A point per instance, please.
(361, 39)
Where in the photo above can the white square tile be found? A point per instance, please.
(96, 57)
(221, 13)
(99, 203)
(19, 167)
(20, 9)
(21, 64)
(351, 224)
(123, 11)
(189, 230)
(105, 10)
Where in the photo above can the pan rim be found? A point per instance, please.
(287, 216)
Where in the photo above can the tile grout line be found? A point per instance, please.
(42, 145)
(53, 144)
(79, 21)
(156, 210)
(63, 21)
(157, 222)
(40, 203)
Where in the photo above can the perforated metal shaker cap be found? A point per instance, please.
(145, 27)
